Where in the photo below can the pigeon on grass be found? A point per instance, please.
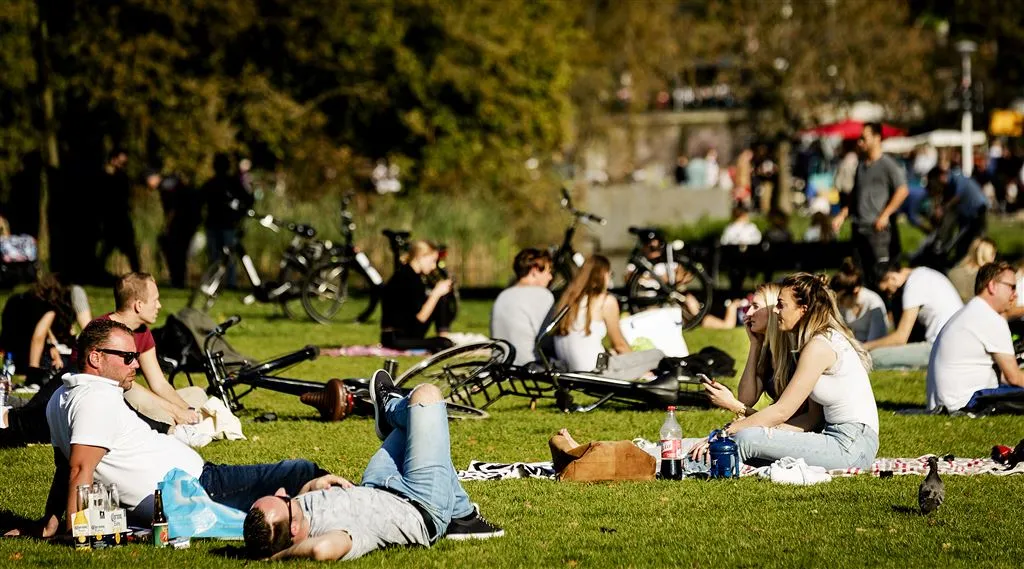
(932, 491)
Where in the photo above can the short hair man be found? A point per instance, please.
(137, 302)
(975, 342)
(96, 437)
(879, 189)
(410, 493)
(519, 311)
(929, 298)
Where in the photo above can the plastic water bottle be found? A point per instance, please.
(671, 447)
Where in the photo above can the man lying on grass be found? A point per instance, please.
(410, 493)
(96, 437)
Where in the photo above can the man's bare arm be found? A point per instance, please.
(327, 547)
(83, 461)
(1012, 374)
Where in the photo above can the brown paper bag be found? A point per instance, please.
(600, 461)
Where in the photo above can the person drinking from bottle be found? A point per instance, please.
(831, 369)
(594, 314)
(769, 351)
(410, 306)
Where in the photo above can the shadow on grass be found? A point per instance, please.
(10, 520)
(232, 552)
(898, 406)
(906, 510)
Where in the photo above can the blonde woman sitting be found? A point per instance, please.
(832, 370)
(769, 350)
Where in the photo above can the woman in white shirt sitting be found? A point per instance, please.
(768, 345)
(594, 314)
(832, 369)
(863, 310)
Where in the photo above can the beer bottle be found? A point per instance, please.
(161, 533)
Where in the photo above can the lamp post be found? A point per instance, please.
(966, 48)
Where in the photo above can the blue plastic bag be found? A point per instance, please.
(191, 513)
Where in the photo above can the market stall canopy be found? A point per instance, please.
(937, 138)
(850, 130)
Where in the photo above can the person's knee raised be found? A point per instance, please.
(424, 394)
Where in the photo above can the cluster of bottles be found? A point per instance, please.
(722, 450)
(6, 377)
(98, 497)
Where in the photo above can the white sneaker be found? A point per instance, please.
(191, 436)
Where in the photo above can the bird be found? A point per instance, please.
(932, 491)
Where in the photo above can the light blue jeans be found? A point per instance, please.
(907, 356)
(415, 461)
(844, 445)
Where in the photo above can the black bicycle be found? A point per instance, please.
(566, 261)
(302, 252)
(335, 399)
(477, 375)
(661, 274)
(344, 284)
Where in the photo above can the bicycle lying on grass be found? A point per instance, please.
(477, 375)
(231, 380)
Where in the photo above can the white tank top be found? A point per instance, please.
(844, 391)
(578, 349)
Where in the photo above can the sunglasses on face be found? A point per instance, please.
(128, 357)
(288, 506)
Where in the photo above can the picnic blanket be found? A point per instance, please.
(479, 470)
(368, 350)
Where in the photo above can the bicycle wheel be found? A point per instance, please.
(291, 300)
(204, 295)
(336, 290)
(692, 291)
(464, 374)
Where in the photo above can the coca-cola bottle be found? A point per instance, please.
(671, 447)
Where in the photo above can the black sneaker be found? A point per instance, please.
(382, 389)
(473, 526)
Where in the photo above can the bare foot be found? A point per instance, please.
(568, 437)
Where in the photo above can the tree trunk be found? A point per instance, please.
(49, 143)
(783, 198)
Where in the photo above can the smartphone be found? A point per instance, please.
(705, 379)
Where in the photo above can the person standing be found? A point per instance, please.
(227, 202)
(118, 231)
(182, 216)
(879, 189)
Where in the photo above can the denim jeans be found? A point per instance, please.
(913, 356)
(843, 445)
(238, 486)
(415, 462)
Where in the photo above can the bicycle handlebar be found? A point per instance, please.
(221, 328)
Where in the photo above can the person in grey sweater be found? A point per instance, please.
(519, 310)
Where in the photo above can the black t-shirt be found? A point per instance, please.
(404, 295)
(18, 322)
(220, 192)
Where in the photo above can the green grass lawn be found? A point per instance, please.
(862, 522)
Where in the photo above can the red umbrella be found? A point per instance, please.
(851, 129)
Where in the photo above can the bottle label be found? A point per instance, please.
(161, 535)
(671, 449)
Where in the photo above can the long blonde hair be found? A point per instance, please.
(822, 315)
(590, 283)
(981, 252)
(776, 344)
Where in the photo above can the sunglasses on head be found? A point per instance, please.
(129, 357)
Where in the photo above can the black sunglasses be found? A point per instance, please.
(129, 357)
(288, 506)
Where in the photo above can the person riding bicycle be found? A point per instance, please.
(594, 314)
(409, 308)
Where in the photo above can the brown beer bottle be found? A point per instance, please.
(161, 533)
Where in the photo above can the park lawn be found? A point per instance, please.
(860, 521)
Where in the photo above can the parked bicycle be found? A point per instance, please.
(285, 290)
(566, 261)
(660, 274)
(344, 282)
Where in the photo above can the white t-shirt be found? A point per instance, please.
(935, 295)
(517, 315)
(578, 349)
(844, 391)
(741, 233)
(90, 410)
(961, 359)
(870, 323)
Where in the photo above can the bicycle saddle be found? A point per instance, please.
(392, 234)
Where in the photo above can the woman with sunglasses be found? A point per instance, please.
(831, 368)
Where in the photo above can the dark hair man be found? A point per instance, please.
(879, 189)
(519, 311)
